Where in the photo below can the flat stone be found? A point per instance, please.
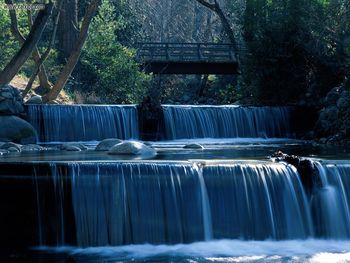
(73, 146)
(193, 146)
(107, 144)
(13, 150)
(2, 152)
(32, 148)
(132, 148)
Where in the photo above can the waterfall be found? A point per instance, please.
(257, 201)
(61, 123)
(168, 203)
(331, 201)
(185, 122)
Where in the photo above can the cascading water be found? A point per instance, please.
(167, 203)
(187, 122)
(62, 123)
(331, 200)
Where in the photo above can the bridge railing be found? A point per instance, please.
(185, 52)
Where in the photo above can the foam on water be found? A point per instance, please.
(224, 251)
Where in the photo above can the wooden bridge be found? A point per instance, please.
(187, 58)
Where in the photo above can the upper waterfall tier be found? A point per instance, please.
(187, 122)
(61, 123)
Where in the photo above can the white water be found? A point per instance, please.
(311, 250)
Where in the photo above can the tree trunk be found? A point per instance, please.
(44, 82)
(75, 54)
(68, 28)
(47, 52)
(12, 68)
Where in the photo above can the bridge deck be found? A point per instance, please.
(187, 58)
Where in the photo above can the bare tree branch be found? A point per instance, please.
(215, 7)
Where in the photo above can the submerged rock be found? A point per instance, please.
(193, 146)
(73, 146)
(107, 144)
(132, 148)
(15, 129)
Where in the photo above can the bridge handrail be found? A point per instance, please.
(174, 51)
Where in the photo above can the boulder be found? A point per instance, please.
(132, 148)
(107, 144)
(36, 99)
(73, 146)
(15, 129)
(11, 102)
(193, 146)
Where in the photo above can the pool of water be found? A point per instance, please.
(214, 149)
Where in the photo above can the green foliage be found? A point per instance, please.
(296, 48)
(115, 73)
(6, 39)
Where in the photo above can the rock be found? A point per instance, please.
(323, 140)
(13, 150)
(14, 129)
(132, 148)
(305, 167)
(193, 146)
(36, 99)
(11, 147)
(107, 144)
(54, 102)
(333, 96)
(32, 148)
(73, 146)
(2, 152)
(186, 98)
(343, 103)
(11, 102)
